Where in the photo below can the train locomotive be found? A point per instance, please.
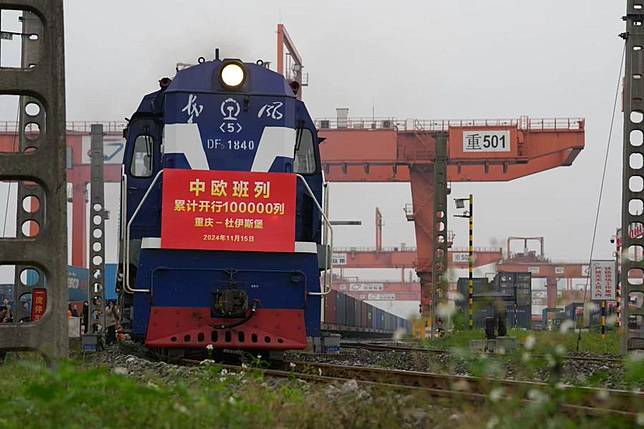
(223, 236)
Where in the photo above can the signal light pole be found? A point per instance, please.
(469, 214)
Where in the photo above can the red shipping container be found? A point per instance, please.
(330, 308)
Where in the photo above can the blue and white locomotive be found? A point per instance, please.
(221, 116)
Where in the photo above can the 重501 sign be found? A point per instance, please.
(228, 210)
(486, 141)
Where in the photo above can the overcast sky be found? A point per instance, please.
(411, 59)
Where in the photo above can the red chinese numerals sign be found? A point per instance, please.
(38, 303)
(228, 210)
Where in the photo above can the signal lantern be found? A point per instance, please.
(295, 86)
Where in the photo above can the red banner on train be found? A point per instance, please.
(228, 210)
(38, 303)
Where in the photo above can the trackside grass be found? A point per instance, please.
(81, 395)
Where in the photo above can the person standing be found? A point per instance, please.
(85, 316)
(110, 323)
(9, 314)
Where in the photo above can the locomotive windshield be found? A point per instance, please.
(304, 161)
(141, 165)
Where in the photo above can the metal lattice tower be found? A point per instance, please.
(96, 308)
(633, 178)
(439, 235)
(42, 162)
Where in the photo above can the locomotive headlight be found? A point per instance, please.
(233, 74)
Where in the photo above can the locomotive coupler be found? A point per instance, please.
(230, 302)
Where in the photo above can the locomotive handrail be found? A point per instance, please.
(329, 260)
(127, 237)
(123, 219)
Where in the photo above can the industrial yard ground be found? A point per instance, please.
(543, 341)
(124, 387)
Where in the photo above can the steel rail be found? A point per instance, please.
(474, 389)
(621, 402)
(387, 347)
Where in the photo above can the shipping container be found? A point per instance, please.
(341, 309)
(350, 314)
(330, 308)
(364, 314)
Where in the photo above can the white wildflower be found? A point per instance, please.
(525, 357)
(491, 424)
(119, 370)
(566, 326)
(590, 306)
(550, 361)
(537, 395)
(232, 400)
(180, 408)
(399, 334)
(530, 342)
(640, 419)
(611, 320)
(446, 309)
(461, 386)
(292, 365)
(496, 394)
(560, 349)
(210, 347)
(243, 365)
(602, 395)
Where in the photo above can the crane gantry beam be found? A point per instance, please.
(388, 150)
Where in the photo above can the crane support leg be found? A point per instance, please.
(551, 292)
(429, 197)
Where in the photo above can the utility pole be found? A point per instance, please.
(470, 264)
(94, 337)
(469, 214)
(633, 338)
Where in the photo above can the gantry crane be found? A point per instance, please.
(429, 153)
(539, 266)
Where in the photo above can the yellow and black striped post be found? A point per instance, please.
(470, 263)
(603, 318)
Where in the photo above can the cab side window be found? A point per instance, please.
(304, 162)
(142, 162)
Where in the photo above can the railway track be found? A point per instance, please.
(401, 348)
(576, 401)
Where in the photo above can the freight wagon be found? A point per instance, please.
(347, 315)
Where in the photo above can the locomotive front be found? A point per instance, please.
(221, 213)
